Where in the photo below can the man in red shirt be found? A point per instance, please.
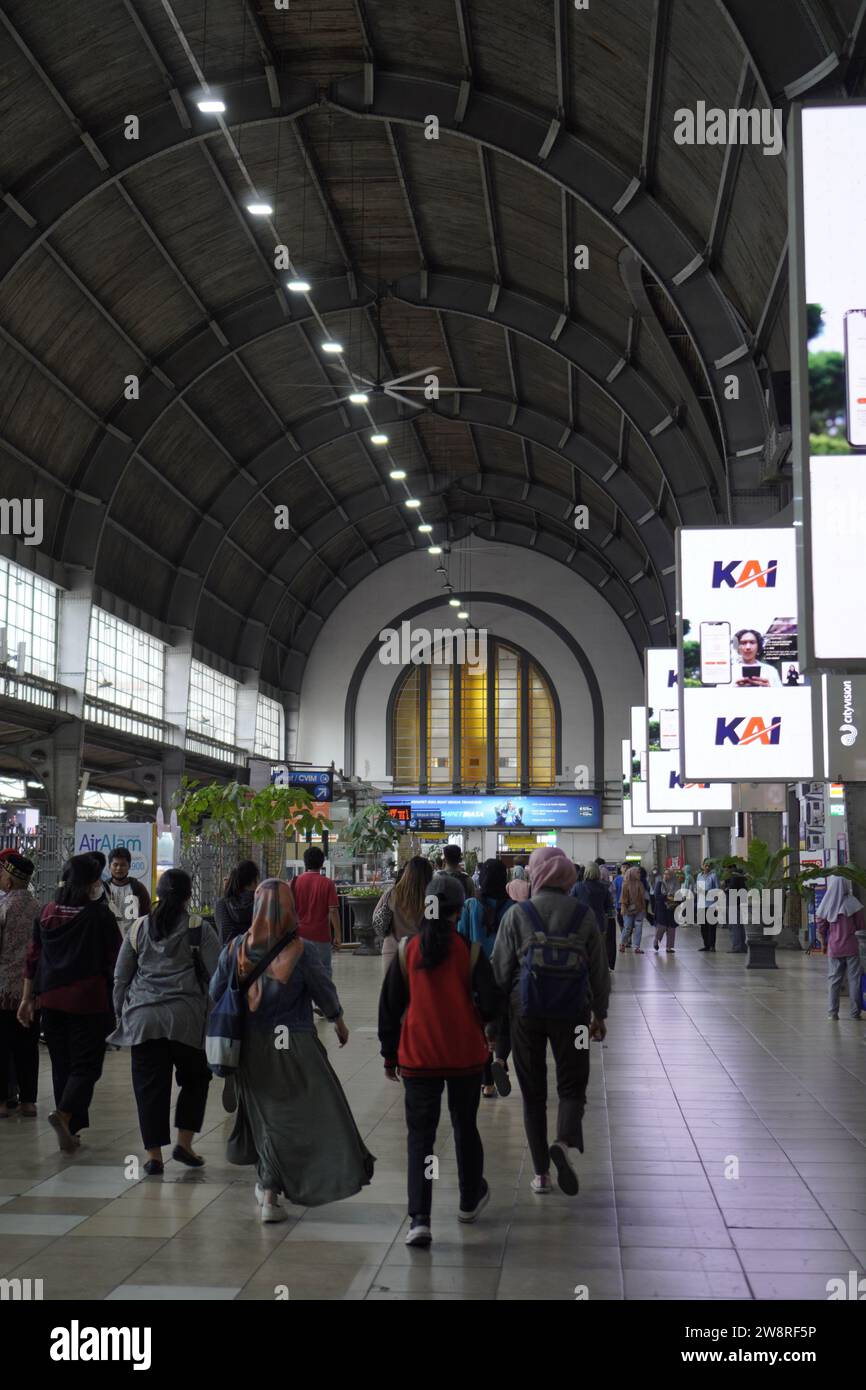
(316, 907)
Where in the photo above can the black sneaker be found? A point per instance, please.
(475, 1212)
(565, 1174)
(501, 1079)
(419, 1232)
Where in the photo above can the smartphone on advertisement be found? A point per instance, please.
(669, 728)
(715, 653)
(855, 377)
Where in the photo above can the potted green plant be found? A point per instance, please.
(767, 871)
(370, 834)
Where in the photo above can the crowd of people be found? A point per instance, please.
(479, 971)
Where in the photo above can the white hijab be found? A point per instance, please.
(838, 901)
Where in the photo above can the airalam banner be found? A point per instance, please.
(667, 789)
(746, 709)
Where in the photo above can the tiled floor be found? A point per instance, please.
(726, 1158)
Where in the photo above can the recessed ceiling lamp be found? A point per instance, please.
(412, 502)
(359, 398)
(211, 106)
(299, 286)
(379, 439)
(398, 474)
(332, 347)
(259, 209)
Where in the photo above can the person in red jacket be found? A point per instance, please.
(430, 1028)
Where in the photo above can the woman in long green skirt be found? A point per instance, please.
(293, 1120)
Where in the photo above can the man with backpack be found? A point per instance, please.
(551, 960)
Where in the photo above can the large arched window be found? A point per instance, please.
(467, 728)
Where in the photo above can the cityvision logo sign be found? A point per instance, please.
(848, 730)
(750, 572)
(755, 731)
(677, 781)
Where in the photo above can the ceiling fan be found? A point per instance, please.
(430, 391)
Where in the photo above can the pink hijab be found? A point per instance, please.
(550, 868)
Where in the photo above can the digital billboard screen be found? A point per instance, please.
(746, 703)
(828, 350)
(667, 789)
(507, 810)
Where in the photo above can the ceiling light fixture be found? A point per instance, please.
(412, 502)
(211, 106)
(332, 347)
(463, 613)
(299, 286)
(398, 474)
(359, 398)
(379, 439)
(259, 209)
(426, 527)
(454, 602)
(434, 550)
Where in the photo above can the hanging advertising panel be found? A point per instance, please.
(746, 709)
(844, 700)
(828, 350)
(630, 824)
(641, 812)
(667, 789)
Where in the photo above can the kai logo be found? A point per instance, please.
(677, 781)
(755, 731)
(750, 572)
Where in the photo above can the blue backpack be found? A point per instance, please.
(554, 970)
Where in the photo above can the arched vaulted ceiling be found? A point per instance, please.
(602, 386)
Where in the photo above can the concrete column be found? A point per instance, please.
(767, 826)
(247, 709)
(718, 841)
(171, 775)
(855, 816)
(178, 661)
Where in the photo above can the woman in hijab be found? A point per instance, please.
(479, 921)
(293, 1120)
(551, 912)
(663, 898)
(839, 917)
(633, 908)
(69, 976)
(594, 894)
(518, 888)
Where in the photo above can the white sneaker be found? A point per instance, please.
(419, 1233)
(271, 1212)
(260, 1196)
(541, 1184)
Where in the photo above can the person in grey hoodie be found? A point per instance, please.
(557, 915)
(234, 910)
(161, 999)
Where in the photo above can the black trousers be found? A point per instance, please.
(501, 1048)
(708, 934)
(21, 1047)
(76, 1045)
(153, 1064)
(423, 1106)
(529, 1039)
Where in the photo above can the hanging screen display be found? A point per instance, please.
(746, 712)
(667, 789)
(828, 339)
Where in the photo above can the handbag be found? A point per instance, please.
(227, 1021)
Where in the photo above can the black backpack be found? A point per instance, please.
(554, 970)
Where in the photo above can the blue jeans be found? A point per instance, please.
(836, 967)
(632, 924)
(322, 951)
